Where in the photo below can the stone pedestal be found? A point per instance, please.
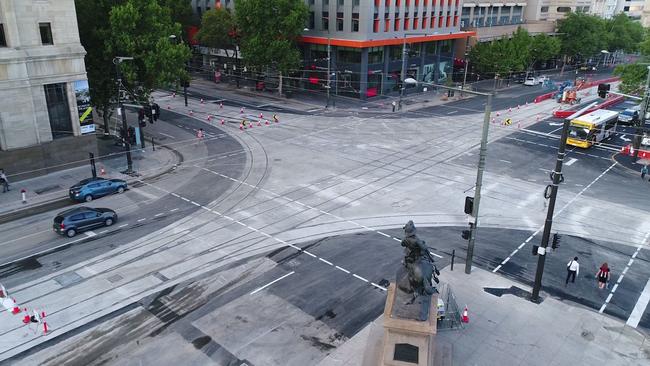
(407, 342)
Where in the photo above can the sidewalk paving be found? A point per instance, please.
(50, 189)
(511, 330)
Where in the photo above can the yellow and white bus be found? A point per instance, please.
(591, 128)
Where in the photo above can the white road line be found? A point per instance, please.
(342, 269)
(164, 134)
(325, 261)
(90, 233)
(505, 161)
(642, 302)
(309, 254)
(640, 307)
(359, 277)
(557, 214)
(173, 210)
(452, 112)
(103, 232)
(383, 234)
(123, 225)
(140, 220)
(272, 282)
(379, 287)
(158, 214)
(571, 161)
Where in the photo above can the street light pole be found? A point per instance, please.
(120, 106)
(636, 143)
(403, 75)
(329, 65)
(479, 183)
(480, 169)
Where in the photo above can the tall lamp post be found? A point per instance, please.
(184, 82)
(480, 169)
(120, 109)
(403, 73)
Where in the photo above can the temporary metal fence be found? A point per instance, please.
(449, 314)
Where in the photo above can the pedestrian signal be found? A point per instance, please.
(535, 247)
(469, 205)
(556, 241)
(466, 234)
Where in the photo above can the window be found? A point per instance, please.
(3, 40)
(56, 98)
(77, 217)
(355, 3)
(544, 9)
(199, 11)
(312, 19)
(347, 55)
(376, 55)
(563, 9)
(339, 21)
(46, 33)
(326, 20)
(355, 22)
(341, 2)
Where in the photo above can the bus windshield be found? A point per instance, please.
(578, 132)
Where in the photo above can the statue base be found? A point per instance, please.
(407, 342)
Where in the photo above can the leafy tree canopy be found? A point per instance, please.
(218, 29)
(582, 34)
(269, 31)
(141, 29)
(633, 78)
(623, 33)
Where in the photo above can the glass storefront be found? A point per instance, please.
(58, 110)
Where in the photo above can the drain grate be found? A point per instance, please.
(67, 279)
(115, 278)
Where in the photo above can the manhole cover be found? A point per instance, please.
(68, 279)
(115, 278)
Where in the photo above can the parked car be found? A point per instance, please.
(519, 78)
(91, 188)
(530, 81)
(78, 219)
(629, 116)
(542, 79)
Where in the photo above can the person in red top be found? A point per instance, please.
(603, 275)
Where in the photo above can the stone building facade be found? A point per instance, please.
(41, 66)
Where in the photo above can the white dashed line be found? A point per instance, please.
(272, 282)
(173, 210)
(359, 277)
(123, 225)
(158, 214)
(343, 269)
(325, 261)
(140, 220)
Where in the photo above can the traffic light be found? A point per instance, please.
(602, 90)
(466, 234)
(469, 205)
(556, 241)
(535, 247)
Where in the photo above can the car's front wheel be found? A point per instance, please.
(108, 222)
(120, 189)
(70, 233)
(88, 198)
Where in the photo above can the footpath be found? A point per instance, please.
(507, 329)
(50, 191)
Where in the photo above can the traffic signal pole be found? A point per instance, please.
(548, 223)
(636, 142)
(122, 111)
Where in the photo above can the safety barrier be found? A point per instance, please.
(607, 103)
(590, 84)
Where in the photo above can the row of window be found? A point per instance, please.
(416, 3)
(45, 29)
(339, 21)
(339, 2)
(417, 23)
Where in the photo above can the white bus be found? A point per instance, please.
(592, 127)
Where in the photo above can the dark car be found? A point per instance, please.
(91, 188)
(79, 219)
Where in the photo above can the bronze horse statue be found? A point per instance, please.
(420, 269)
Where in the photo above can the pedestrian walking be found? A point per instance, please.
(4, 181)
(275, 118)
(603, 275)
(644, 171)
(394, 104)
(572, 269)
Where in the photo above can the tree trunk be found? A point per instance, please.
(106, 118)
(563, 64)
(280, 84)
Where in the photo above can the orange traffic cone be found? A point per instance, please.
(173, 95)
(266, 122)
(261, 116)
(191, 113)
(45, 328)
(169, 107)
(102, 171)
(16, 309)
(498, 114)
(202, 102)
(241, 110)
(465, 318)
(223, 122)
(220, 105)
(209, 118)
(259, 123)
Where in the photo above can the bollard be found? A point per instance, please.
(23, 192)
(453, 255)
(153, 146)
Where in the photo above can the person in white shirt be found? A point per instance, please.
(572, 268)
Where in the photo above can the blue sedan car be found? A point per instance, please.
(91, 188)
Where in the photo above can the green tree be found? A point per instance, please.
(624, 33)
(93, 22)
(218, 30)
(633, 78)
(269, 33)
(544, 47)
(582, 34)
(141, 29)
